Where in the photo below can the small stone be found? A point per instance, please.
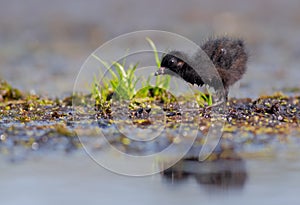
(140, 110)
(148, 109)
(35, 146)
(2, 137)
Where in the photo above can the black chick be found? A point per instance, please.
(227, 55)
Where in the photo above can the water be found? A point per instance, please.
(75, 179)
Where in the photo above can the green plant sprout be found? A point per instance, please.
(203, 98)
(122, 84)
(160, 81)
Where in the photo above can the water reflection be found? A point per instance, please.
(211, 175)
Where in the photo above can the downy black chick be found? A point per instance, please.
(227, 55)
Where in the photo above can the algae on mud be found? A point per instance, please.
(8, 93)
(38, 123)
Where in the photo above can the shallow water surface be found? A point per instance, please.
(75, 179)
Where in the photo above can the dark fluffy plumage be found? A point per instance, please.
(227, 55)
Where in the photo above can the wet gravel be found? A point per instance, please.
(37, 124)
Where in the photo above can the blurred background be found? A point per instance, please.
(44, 43)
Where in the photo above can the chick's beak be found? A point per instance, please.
(160, 71)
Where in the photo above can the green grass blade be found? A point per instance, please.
(106, 65)
(210, 100)
(101, 61)
(151, 43)
(124, 59)
(121, 71)
(166, 82)
(131, 71)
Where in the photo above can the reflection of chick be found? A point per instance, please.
(228, 56)
(223, 178)
(222, 173)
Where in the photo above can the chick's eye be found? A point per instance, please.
(172, 62)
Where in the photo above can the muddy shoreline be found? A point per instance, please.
(35, 123)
